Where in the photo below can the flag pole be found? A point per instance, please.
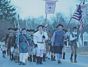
(81, 24)
(26, 24)
(46, 17)
(81, 31)
(18, 31)
(69, 22)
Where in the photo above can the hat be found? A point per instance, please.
(10, 28)
(30, 30)
(23, 29)
(59, 25)
(40, 26)
(74, 27)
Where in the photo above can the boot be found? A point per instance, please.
(44, 57)
(71, 58)
(52, 58)
(3, 56)
(63, 57)
(75, 61)
(40, 60)
(34, 58)
(30, 58)
(59, 61)
(11, 57)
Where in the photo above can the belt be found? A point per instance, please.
(40, 42)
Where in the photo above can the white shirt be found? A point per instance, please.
(38, 37)
(71, 37)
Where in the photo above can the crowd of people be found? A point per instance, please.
(36, 46)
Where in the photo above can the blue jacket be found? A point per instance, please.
(58, 38)
(23, 46)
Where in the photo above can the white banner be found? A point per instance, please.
(50, 7)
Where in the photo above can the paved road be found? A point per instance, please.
(82, 62)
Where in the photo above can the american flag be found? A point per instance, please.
(78, 13)
(78, 16)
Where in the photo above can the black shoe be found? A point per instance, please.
(40, 60)
(30, 58)
(44, 58)
(3, 56)
(20, 63)
(63, 56)
(71, 60)
(23, 63)
(59, 61)
(11, 59)
(75, 61)
(37, 60)
(53, 58)
(34, 58)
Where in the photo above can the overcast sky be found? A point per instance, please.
(36, 8)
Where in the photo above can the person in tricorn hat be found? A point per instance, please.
(10, 42)
(39, 39)
(58, 42)
(32, 56)
(73, 44)
(23, 47)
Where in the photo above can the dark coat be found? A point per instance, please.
(23, 45)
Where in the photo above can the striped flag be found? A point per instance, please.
(78, 14)
(50, 7)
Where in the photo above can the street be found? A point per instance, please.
(35, 30)
(82, 62)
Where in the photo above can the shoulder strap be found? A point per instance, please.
(72, 34)
(26, 40)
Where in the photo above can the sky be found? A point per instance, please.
(36, 8)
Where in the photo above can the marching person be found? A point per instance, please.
(3, 49)
(47, 44)
(16, 48)
(39, 39)
(10, 41)
(52, 50)
(33, 47)
(23, 47)
(16, 54)
(3, 46)
(65, 44)
(11, 53)
(30, 40)
(73, 43)
(58, 42)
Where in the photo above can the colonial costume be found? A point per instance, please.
(58, 42)
(73, 44)
(39, 39)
